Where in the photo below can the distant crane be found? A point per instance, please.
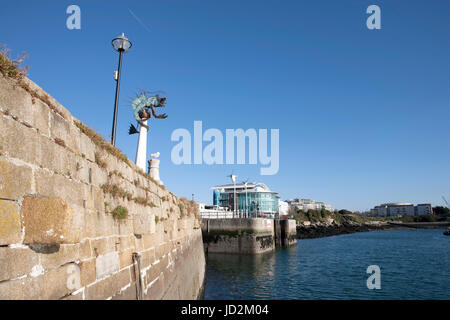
(445, 200)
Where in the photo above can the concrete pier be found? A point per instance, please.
(247, 235)
(285, 232)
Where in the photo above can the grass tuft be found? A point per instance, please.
(119, 213)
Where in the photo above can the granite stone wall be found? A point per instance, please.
(74, 211)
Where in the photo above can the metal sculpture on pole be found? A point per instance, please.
(144, 108)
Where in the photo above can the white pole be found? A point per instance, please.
(141, 153)
(246, 210)
(234, 198)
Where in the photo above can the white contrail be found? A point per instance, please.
(139, 20)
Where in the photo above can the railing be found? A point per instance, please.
(231, 215)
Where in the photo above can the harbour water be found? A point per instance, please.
(415, 264)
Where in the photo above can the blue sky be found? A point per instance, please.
(363, 114)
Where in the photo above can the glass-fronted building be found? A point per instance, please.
(252, 199)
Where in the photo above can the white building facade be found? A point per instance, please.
(213, 212)
(401, 209)
(308, 204)
(283, 208)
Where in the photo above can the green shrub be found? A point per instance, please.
(120, 213)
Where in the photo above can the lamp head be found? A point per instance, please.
(121, 43)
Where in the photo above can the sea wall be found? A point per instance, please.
(321, 229)
(78, 220)
(285, 232)
(242, 236)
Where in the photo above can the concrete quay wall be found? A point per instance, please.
(247, 235)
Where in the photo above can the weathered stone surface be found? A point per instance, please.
(39, 91)
(107, 264)
(16, 262)
(87, 147)
(88, 272)
(15, 180)
(28, 288)
(75, 296)
(85, 249)
(51, 200)
(126, 258)
(19, 141)
(147, 258)
(41, 117)
(103, 246)
(56, 185)
(65, 253)
(109, 286)
(61, 128)
(143, 222)
(127, 294)
(60, 282)
(16, 100)
(49, 220)
(10, 229)
(53, 156)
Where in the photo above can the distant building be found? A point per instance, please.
(252, 199)
(424, 208)
(308, 204)
(400, 209)
(283, 208)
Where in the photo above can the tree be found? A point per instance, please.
(441, 211)
(344, 211)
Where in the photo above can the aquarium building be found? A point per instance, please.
(253, 199)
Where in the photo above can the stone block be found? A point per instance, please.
(10, 228)
(63, 129)
(34, 87)
(126, 258)
(52, 156)
(151, 274)
(41, 117)
(103, 246)
(88, 272)
(56, 185)
(143, 222)
(50, 220)
(156, 290)
(127, 294)
(107, 264)
(16, 100)
(147, 258)
(60, 282)
(15, 180)
(55, 258)
(86, 251)
(16, 262)
(109, 286)
(126, 242)
(87, 147)
(28, 288)
(19, 141)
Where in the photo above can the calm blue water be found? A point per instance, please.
(415, 264)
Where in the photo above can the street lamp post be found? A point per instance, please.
(121, 44)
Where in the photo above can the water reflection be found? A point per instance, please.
(414, 265)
